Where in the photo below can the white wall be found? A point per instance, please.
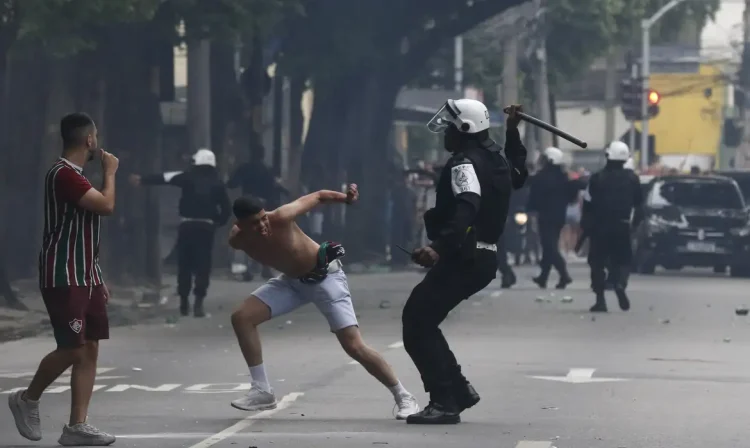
(588, 123)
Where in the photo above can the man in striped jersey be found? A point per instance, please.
(71, 283)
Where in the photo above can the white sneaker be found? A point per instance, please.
(407, 405)
(84, 434)
(256, 399)
(26, 415)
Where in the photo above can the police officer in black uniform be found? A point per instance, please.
(204, 206)
(612, 207)
(551, 193)
(472, 200)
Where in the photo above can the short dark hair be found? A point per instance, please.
(74, 129)
(246, 206)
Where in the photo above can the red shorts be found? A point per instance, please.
(77, 314)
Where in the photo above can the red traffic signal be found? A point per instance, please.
(653, 97)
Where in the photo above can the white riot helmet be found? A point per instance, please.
(469, 117)
(204, 157)
(553, 155)
(618, 151)
(630, 164)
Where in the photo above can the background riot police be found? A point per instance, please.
(471, 208)
(551, 192)
(204, 206)
(612, 207)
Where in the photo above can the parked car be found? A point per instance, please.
(743, 181)
(694, 220)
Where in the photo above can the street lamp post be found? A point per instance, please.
(646, 25)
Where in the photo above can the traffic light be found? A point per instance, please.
(631, 96)
(653, 103)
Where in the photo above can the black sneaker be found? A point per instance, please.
(622, 299)
(435, 414)
(184, 306)
(198, 310)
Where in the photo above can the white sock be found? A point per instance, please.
(398, 390)
(258, 374)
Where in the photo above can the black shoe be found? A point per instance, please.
(435, 414)
(466, 397)
(508, 281)
(564, 281)
(541, 282)
(198, 308)
(601, 304)
(184, 306)
(622, 299)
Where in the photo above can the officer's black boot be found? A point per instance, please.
(466, 396)
(601, 304)
(198, 310)
(541, 280)
(184, 306)
(620, 285)
(442, 410)
(565, 279)
(509, 279)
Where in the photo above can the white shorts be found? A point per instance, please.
(285, 294)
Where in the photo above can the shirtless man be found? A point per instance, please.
(311, 273)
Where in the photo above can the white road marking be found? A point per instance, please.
(247, 422)
(398, 344)
(579, 376)
(99, 370)
(66, 379)
(533, 444)
(353, 363)
(162, 388)
(222, 389)
(252, 435)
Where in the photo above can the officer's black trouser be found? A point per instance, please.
(195, 241)
(549, 234)
(445, 286)
(610, 249)
(502, 259)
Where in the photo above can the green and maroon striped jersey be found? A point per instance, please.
(70, 246)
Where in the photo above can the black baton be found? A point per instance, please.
(548, 127)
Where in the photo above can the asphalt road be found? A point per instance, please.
(673, 372)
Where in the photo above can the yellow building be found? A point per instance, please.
(690, 112)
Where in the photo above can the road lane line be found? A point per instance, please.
(247, 422)
(398, 344)
(533, 444)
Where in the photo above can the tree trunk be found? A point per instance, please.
(369, 165)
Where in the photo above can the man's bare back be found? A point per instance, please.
(274, 238)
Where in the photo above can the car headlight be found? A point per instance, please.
(521, 218)
(741, 231)
(657, 223)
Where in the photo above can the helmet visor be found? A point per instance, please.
(444, 117)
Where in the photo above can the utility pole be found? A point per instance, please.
(458, 64)
(646, 25)
(610, 95)
(542, 78)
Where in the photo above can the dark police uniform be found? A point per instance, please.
(204, 206)
(551, 193)
(612, 207)
(472, 201)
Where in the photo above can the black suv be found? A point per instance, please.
(694, 221)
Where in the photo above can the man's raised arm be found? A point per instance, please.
(308, 202)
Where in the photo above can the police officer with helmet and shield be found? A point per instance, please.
(612, 207)
(472, 200)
